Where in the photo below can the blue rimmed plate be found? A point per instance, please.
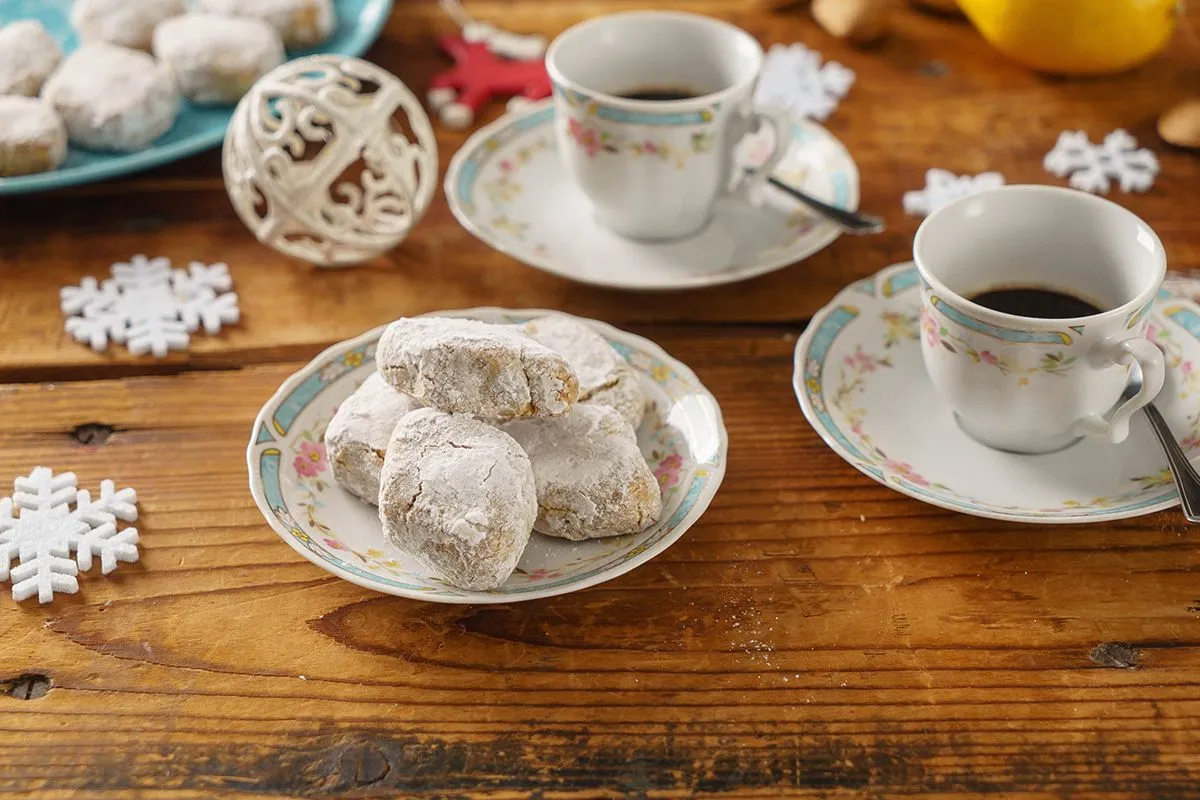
(861, 381)
(196, 128)
(507, 186)
(682, 438)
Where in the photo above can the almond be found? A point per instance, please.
(1180, 126)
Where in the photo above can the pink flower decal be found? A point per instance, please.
(311, 461)
(667, 470)
(506, 165)
(904, 471)
(650, 147)
(860, 361)
(930, 326)
(585, 136)
(1186, 367)
(334, 544)
(988, 357)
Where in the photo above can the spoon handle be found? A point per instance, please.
(848, 221)
(1186, 478)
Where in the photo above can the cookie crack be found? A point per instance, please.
(611, 383)
(528, 384)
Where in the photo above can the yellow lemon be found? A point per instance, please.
(1075, 37)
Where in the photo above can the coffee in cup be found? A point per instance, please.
(1034, 306)
(650, 105)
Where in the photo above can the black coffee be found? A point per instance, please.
(659, 93)
(1035, 302)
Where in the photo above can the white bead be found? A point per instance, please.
(456, 116)
(319, 207)
(439, 98)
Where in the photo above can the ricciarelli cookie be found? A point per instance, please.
(469, 367)
(32, 137)
(28, 55)
(357, 437)
(591, 478)
(113, 98)
(300, 23)
(128, 23)
(458, 495)
(216, 59)
(605, 378)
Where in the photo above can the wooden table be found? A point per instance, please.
(814, 635)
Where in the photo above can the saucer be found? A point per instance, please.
(861, 381)
(682, 439)
(508, 187)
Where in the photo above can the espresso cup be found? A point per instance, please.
(649, 107)
(999, 269)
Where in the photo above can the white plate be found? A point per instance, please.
(507, 186)
(861, 381)
(682, 438)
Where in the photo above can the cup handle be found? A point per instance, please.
(754, 179)
(1149, 358)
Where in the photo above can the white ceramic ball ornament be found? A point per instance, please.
(318, 169)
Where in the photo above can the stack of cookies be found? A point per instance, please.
(120, 89)
(472, 436)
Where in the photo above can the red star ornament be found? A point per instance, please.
(477, 76)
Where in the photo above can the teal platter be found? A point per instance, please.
(197, 128)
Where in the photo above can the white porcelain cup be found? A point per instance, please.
(653, 169)
(1027, 384)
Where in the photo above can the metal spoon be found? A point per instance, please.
(1187, 481)
(849, 221)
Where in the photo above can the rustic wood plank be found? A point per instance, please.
(900, 119)
(815, 633)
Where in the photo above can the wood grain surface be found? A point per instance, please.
(815, 635)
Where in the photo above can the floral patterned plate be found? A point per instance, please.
(682, 438)
(861, 381)
(507, 186)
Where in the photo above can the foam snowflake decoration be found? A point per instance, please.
(150, 307)
(942, 186)
(1092, 166)
(794, 78)
(46, 530)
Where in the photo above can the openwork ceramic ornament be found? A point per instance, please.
(318, 163)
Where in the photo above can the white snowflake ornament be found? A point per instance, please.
(794, 78)
(150, 307)
(1092, 166)
(942, 186)
(45, 531)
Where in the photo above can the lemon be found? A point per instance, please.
(1075, 37)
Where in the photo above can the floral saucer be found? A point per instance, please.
(861, 381)
(507, 186)
(682, 438)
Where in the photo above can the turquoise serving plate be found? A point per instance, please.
(196, 128)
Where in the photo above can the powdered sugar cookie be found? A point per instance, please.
(357, 437)
(216, 59)
(469, 367)
(28, 54)
(113, 98)
(591, 478)
(605, 378)
(128, 23)
(32, 137)
(458, 495)
(301, 23)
